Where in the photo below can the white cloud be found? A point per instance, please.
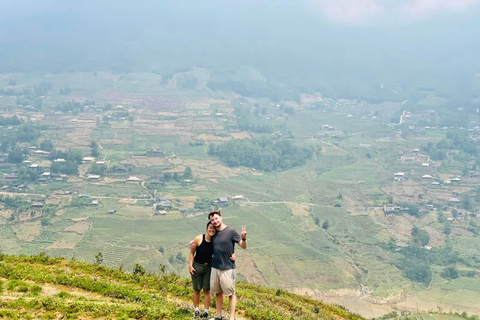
(426, 7)
(352, 11)
(358, 11)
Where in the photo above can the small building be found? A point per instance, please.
(88, 159)
(238, 197)
(425, 164)
(37, 205)
(454, 200)
(222, 202)
(161, 199)
(37, 199)
(133, 180)
(155, 153)
(83, 196)
(34, 165)
(95, 203)
(10, 177)
(41, 153)
(59, 160)
(399, 176)
(112, 211)
(166, 205)
(388, 208)
(427, 176)
(93, 177)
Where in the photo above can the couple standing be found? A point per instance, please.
(212, 265)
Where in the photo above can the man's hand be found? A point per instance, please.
(191, 270)
(233, 257)
(244, 233)
(193, 245)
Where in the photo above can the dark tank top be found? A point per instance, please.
(204, 252)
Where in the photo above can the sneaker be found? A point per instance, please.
(205, 316)
(217, 318)
(196, 314)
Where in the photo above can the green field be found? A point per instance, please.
(319, 226)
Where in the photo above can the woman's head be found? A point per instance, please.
(210, 229)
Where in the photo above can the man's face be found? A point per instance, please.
(216, 220)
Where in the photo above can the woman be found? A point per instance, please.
(200, 266)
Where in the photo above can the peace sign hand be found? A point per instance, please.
(244, 232)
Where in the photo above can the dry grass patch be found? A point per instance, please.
(406, 191)
(247, 267)
(127, 201)
(187, 202)
(205, 169)
(400, 228)
(27, 231)
(210, 137)
(460, 231)
(115, 141)
(146, 162)
(62, 245)
(298, 209)
(79, 227)
(240, 135)
(437, 237)
(204, 125)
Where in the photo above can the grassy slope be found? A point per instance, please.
(40, 287)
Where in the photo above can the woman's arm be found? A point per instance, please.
(196, 241)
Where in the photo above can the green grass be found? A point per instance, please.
(91, 292)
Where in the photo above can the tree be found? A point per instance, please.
(46, 145)
(187, 173)
(138, 270)
(15, 156)
(325, 225)
(420, 236)
(98, 259)
(450, 272)
(75, 156)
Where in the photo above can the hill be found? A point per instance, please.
(41, 287)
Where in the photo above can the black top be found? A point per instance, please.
(223, 248)
(204, 252)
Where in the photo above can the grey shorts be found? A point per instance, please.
(223, 281)
(201, 277)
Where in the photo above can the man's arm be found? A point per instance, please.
(243, 242)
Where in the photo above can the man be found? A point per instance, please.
(222, 279)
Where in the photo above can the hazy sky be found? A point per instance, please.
(300, 35)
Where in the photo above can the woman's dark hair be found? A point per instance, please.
(208, 223)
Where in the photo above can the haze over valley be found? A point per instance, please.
(344, 134)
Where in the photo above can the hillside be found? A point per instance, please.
(343, 204)
(41, 287)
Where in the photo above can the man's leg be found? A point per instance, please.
(219, 303)
(233, 305)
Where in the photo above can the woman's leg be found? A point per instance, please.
(207, 298)
(196, 298)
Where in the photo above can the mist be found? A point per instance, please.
(286, 42)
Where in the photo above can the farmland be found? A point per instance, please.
(319, 229)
